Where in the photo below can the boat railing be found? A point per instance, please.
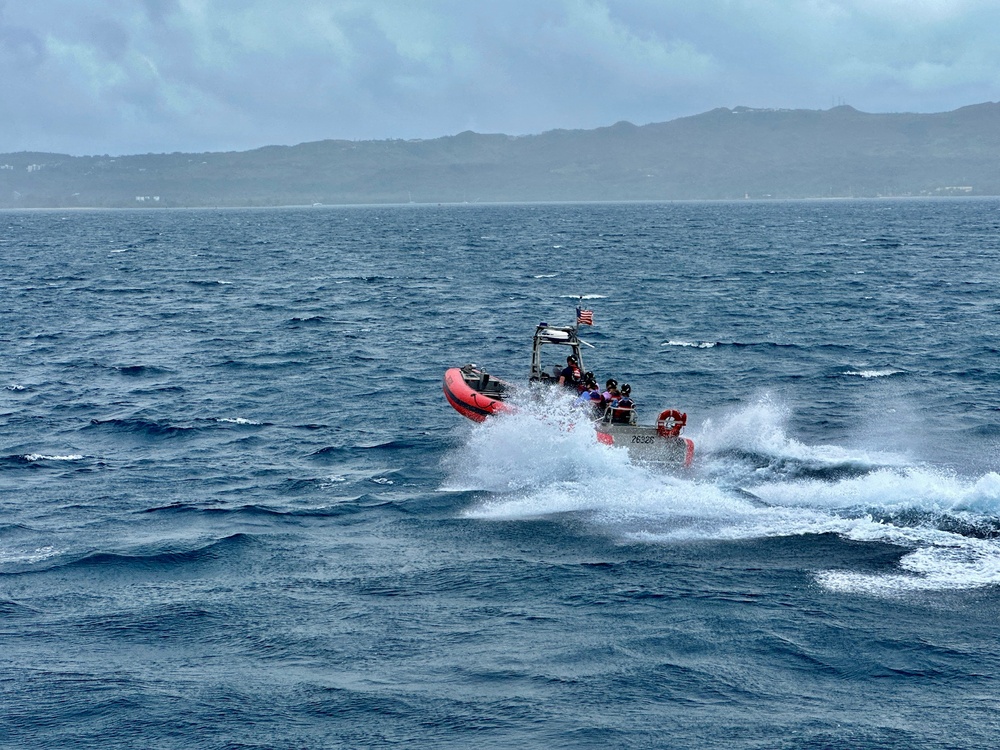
(620, 415)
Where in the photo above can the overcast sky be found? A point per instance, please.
(139, 76)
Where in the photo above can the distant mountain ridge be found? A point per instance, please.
(721, 154)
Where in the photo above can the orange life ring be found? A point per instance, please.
(670, 423)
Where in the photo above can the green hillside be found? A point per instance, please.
(722, 154)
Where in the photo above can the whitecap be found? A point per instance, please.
(892, 490)
(692, 344)
(952, 564)
(872, 373)
(543, 461)
(27, 556)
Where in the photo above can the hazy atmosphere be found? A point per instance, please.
(124, 77)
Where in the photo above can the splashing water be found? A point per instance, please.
(539, 462)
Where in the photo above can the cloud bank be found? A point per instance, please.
(128, 76)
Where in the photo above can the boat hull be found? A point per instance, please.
(473, 393)
(646, 444)
(476, 395)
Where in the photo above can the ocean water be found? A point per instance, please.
(237, 512)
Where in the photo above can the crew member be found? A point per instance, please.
(622, 408)
(611, 390)
(570, 374)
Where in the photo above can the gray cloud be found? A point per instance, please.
(117, 76)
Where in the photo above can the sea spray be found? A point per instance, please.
(540, 461)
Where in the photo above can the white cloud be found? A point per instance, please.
(123, 76)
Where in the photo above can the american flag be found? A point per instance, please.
(584, 317)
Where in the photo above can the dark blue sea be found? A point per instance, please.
(237, 512)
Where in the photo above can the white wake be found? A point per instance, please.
(542, 461)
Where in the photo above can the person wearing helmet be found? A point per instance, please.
(611, 390)
(589, 395)
(570, 374)
(623, 408)
(587, 383)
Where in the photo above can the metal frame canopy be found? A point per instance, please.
(558, 336)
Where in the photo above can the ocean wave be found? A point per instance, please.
(145, 427)
(161, 620)
(751, 444)
(13, 528)
(374, 279)
(531, 468)
(310, 321)
(866, 374)
(759, 345)
(344, 506)
(393, 445)
(153, 428)
(734, 344)
(881, 243)
(151, 559)
(938, 563)
(12, 609)
(139, 371)
(942, 550)
(269, 364)
(33, 460)
(331, 451)
(28, 556)
(692, 344)
(893, 490)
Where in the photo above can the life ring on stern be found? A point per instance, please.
(670, 423)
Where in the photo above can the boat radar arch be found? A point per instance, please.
(553, 335)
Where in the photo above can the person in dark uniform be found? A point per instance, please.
(623, 407)
(570, 374)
